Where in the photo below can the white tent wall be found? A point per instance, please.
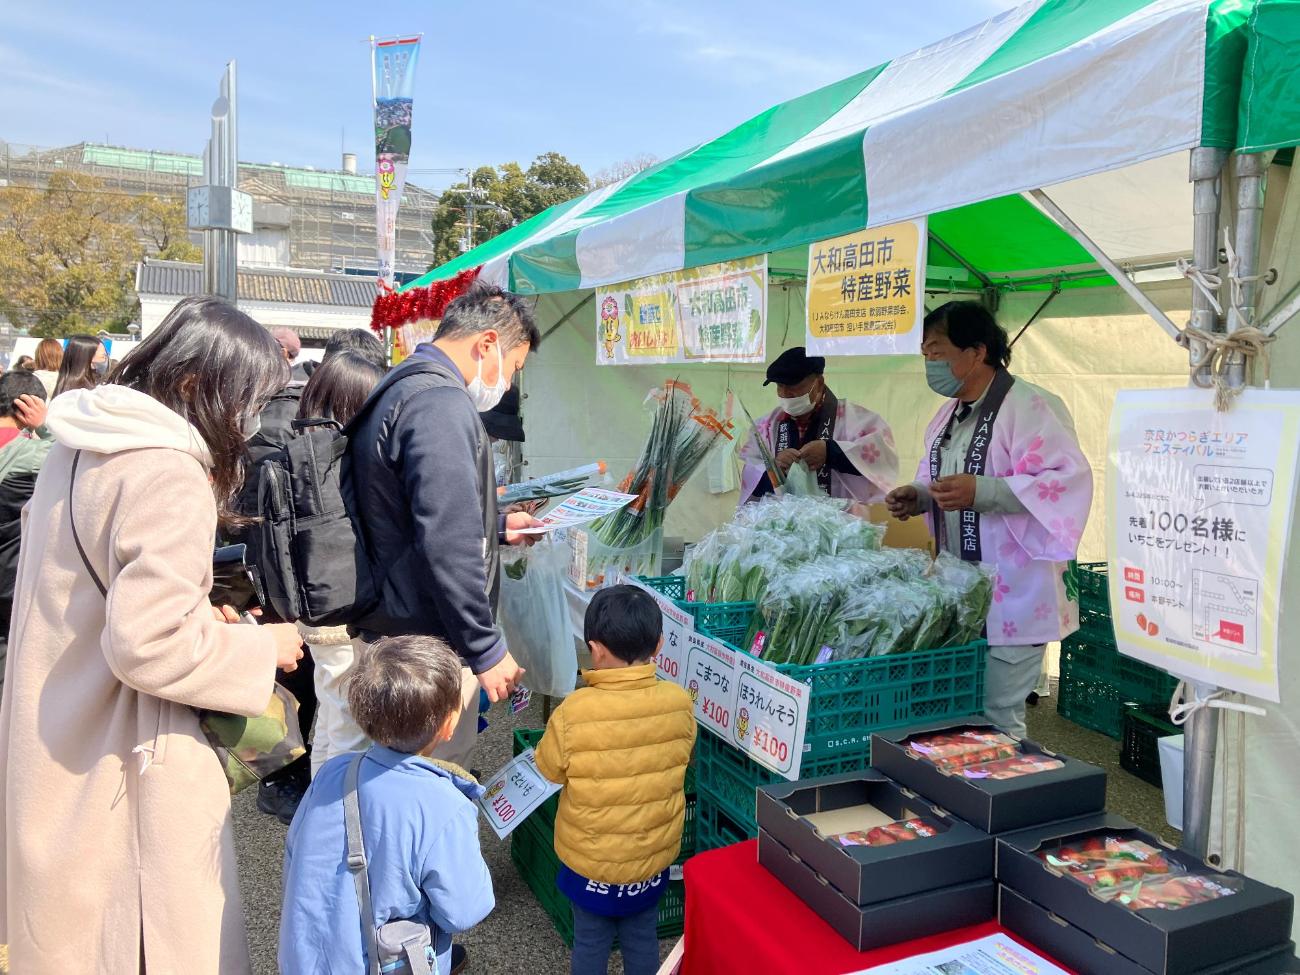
(1088, 344)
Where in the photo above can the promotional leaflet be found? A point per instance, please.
(1200, 507)
(995, 955)
(586, 506)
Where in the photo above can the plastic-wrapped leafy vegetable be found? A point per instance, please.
(969, 588)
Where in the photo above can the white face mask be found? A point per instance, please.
(251, 426)
(485, 397)
(797, 405)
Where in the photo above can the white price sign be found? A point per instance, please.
(771, 715)
(1200, 509)
(710, 679)
(515, 792)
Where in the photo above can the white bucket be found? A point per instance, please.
(1171, 777)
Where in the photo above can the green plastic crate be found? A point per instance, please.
(533, 852)
(852, 698)
(674, 587)
(718, 827)
(1140, 754)
(723, 621)
(730, 777)
(1093, 580)
(526, 738)
(1097, 681)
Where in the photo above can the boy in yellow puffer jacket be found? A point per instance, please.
(620, 747)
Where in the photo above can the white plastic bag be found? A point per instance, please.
(534, 616)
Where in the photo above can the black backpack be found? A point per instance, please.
(306, 545)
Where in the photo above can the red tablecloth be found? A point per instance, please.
(739, 918)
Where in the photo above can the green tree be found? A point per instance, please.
(68, 252)
(502, 197)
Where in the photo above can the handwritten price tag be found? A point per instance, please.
(771, 716)
(510, 796)
(710, 679)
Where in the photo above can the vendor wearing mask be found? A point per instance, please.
(848, 447)
(1004, 482)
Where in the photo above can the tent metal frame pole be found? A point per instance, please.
(1282, 313)
(1202, 727)
(985, 281)
(1206, 176)
(1109, 266)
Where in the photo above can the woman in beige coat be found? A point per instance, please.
(116, 847)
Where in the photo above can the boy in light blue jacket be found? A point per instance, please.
(419, 821)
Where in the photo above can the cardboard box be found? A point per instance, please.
(887, 922)
(993, 805)
(1078, 950)
(805, 818)
(913, 533)
(1255, 919)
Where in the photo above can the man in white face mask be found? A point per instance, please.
(848, 447)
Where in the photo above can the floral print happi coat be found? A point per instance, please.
(1035, 449)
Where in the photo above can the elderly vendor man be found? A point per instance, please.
(848, 447)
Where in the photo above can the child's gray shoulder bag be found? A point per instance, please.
(402, 947)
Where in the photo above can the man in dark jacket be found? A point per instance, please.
(422, 484)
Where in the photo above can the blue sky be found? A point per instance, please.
(506, 80)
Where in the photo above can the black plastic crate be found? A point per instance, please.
(1143, 729)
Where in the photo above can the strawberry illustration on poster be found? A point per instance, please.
(1200, 505)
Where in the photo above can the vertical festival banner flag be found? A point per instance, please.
(393, 64)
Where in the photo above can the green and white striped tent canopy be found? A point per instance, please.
(1270, 94)
(1089, 98)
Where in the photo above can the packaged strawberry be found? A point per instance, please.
(1172, 893)
(899, 832)
(950, 750)
(1107, 861)
(1024, 763)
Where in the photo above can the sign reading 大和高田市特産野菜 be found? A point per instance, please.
(716, 313)
(865, 291)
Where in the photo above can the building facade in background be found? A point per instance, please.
(310, 261)
(303, 218)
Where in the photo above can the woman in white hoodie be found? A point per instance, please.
(116, 848)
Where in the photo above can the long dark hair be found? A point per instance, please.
(215, 366)
(77, 370)
(338, 387)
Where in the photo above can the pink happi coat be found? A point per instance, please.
(1035, 449)
(865, 439)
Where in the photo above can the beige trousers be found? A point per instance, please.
(337, 733)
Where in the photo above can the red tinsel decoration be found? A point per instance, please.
(419, 304)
